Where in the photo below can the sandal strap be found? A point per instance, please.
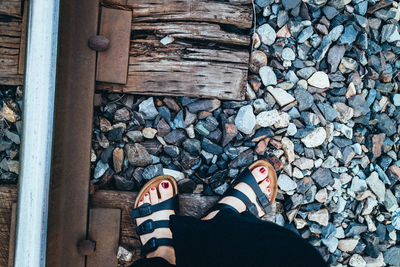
(149, 226)
(241, 196)
(222, 206)
(247, 177)
(153, 243)
(147, 209)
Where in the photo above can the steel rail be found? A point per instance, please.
(38, 109)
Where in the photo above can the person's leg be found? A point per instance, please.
(228, 238)
(233, 239)
(152, 262)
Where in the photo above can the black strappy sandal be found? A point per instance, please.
(146, 209)
(247, 177)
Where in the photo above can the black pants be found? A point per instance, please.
(233, 239)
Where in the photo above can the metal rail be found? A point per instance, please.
(40, 72)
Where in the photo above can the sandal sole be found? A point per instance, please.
(155, 182)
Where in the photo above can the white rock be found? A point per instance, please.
(297, 173)
(300, 223)
(267, 75)
(245, 120)
(176, 174)
(167, 40)
(370, 223)
(190, 131)
(288, 147)
(267, 118)
(369, 205)
(348, 244)
(149, 133)
(320, 216)
(291, 129)
(315, 138)
(281, 96)
(319, 79)
(376, 186)
(288, 54)
(148, 109)
(321, 195)
(283, 121)
(285, 183)
(124, 255)
(357, 261)
(256, 40)
(304, 163)
(374, 262)
(339, 232)
(267, 34)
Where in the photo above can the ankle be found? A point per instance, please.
(165, 252)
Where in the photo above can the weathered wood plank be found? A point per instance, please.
(8, 196)
(70, 172)
(10, 38)
(237, 12)
(112, 64)
(183, 69)
(197, 31)
(10, 8)
(11, 247)
(104, 225)
(208, 56)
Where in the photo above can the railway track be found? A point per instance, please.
(77, 217)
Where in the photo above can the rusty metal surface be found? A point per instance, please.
(104, 230)
(72, 133)
(8, 195)
(112, 64)
(11, 251)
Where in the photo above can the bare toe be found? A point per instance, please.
(260, 173)
(153, 195)
(166, 190)
(146, 198)
(264, 187)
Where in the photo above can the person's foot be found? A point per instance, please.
(154, 196)
(261, 176)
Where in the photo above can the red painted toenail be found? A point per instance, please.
(165, 185)
(146, 194)
(262, 170)
(153, 188)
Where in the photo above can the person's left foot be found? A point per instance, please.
(154, 196)
(261, 176)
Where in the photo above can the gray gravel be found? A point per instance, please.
(322, 104)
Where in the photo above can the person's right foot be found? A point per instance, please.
(154, 196)
(261, 176)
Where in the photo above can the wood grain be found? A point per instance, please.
(112, 64)
(237, 13)
(104, 227)
(184, 69)
(11, 8)
(208, 56)
(10, 39)
(8, 196)
(196, 31)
